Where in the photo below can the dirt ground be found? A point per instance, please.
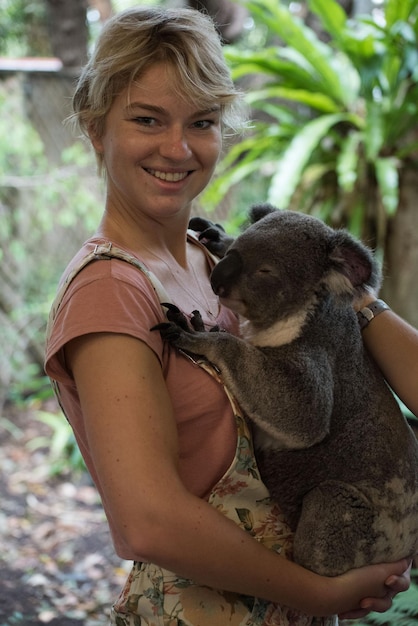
(57, 564)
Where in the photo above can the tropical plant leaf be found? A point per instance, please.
(332, 16)
(388, 182)
(314, 100)
(296, 156)
(347, 161)
(355, 218)
(374, 130)
(299, 37)
(396, 10)
(342, 114)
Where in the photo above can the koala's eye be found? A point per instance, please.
(264, 270)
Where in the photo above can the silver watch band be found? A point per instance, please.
(369, 312)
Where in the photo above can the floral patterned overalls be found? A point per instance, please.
(153, 596)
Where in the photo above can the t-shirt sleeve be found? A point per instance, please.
(106, 296)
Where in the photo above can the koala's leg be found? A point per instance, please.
(334, 532)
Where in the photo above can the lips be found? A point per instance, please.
(171, 177)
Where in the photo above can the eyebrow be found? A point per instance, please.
(156, 109)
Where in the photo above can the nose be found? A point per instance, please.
(174, 145)
(225, 273)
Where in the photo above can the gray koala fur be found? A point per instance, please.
(332, 445)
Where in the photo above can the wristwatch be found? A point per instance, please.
(369, 312)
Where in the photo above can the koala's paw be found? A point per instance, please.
(198, 325)
(174, 315)
(213, 236)
(190, 337)
(169, 331)
(200, 224)
(178, 324)
(197, 322)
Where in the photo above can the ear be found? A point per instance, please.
(353, 266)
(95, 138)
(258, 211)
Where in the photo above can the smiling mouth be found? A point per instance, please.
(171, 177)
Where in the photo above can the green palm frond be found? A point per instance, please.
(340, 118)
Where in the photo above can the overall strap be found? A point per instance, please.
(105, 252)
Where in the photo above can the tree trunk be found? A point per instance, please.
(228, 16)
(401, 258)
(68, 31)
(363, 7)
(104, 8)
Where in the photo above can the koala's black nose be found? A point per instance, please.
(225, 273)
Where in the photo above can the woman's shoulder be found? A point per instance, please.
(92, 262)
(102, 295)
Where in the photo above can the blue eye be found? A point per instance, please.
(201, 124)
(145, 121)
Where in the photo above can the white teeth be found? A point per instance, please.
(171, 177)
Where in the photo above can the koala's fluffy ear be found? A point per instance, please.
(258, 211)
(353, 262)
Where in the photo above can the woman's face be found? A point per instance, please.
(159, 150)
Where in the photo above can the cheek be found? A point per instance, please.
(120, 150)
(211, 150)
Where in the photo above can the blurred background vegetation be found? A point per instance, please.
(333, 92)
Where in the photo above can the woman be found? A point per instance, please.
(158, 434)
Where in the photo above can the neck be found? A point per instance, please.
(153, 238)
(162, 245)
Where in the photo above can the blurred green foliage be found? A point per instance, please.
(23, 28)
(336, 113)
(45, 213)
(335, 116)
(64, 455)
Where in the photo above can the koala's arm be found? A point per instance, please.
(290, 399)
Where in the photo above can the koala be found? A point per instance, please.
(332, 445)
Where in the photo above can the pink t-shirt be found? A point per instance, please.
(114, 296)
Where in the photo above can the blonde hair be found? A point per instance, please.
(133, 40)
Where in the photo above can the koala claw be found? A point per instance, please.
(196, 321)
(176, 316)
(170, 306)
(169, 332)
(211, 235)
(201, 224)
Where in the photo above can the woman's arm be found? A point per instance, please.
(132, 435)
(393, 343)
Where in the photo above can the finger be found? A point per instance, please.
(379, 605)
(354, 614)
(400, 583)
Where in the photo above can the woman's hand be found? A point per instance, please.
(395, 584)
